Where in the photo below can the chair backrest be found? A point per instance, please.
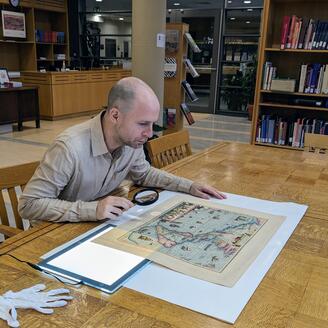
(169, 148)
(316, 143)
(11, 177)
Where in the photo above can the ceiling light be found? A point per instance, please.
(96, 18)
(232, 18)
(98, 0)
(249, 9)
(247, 22)
(229, 1)
(121, 19)
(247, 1)
(176, 4)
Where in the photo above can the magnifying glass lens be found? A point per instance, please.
(146, 197)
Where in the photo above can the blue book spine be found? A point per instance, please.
(308, 78)
(271, 124)
(262, 129)
(314, 77)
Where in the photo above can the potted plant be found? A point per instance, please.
(248, 84)
(233, 97)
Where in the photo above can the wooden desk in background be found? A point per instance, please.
(66, 94)
(19, 105)
(294, 292)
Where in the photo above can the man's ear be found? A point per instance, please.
(114, 114)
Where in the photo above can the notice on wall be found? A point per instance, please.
(160, 40)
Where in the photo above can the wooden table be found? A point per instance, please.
(294, 292)
(18, 105)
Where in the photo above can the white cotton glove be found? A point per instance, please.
(33, 298)
(8, 312)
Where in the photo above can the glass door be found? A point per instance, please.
(204, 26)
(238, 57)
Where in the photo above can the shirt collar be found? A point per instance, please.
(99, 146)
(97, 136)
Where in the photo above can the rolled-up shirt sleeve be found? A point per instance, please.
(143, 174)
(40, 199)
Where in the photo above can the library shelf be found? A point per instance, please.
(277, 105)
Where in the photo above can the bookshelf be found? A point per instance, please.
(47, 19)
(174, 94)
(296, 112)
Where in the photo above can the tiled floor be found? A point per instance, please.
(210, 129)
(30, 144)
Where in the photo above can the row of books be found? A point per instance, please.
(279, 131)
(269, 73)
(303, 33)
(239, 55)
(59, 56)
(49, 36)
(313, 79)
(169, 116)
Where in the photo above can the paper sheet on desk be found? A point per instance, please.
(221, 302)
(197, 237)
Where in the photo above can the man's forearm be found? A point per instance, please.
(56, 210)
(161, 179)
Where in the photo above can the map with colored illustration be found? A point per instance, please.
(203, 236)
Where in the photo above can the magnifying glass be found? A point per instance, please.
(145, 196)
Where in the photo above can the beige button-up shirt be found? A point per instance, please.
(77, 169)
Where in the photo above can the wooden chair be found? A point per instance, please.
(169, 148)
(316, 143)
(11, 177)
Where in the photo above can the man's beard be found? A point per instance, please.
(134, 143)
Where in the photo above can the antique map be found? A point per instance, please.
(206, 237)
(193, 236)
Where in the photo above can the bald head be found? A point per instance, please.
(127, 91)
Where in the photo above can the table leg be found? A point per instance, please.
(20, 110)
(37, 111)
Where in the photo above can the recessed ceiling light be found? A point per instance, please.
(249, 9)
(98, 0)
(121, 18)
(232, 18)
(229, 1)
(247, 22)
(97, 18)
(247, 1)
(176, 4)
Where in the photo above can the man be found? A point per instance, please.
(88, 161)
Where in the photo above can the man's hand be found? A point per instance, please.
(206, 192)
(112, 207)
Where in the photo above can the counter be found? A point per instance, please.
(65, 94)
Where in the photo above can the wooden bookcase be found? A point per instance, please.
(288, 63)
(174, 93)
(24, 54)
